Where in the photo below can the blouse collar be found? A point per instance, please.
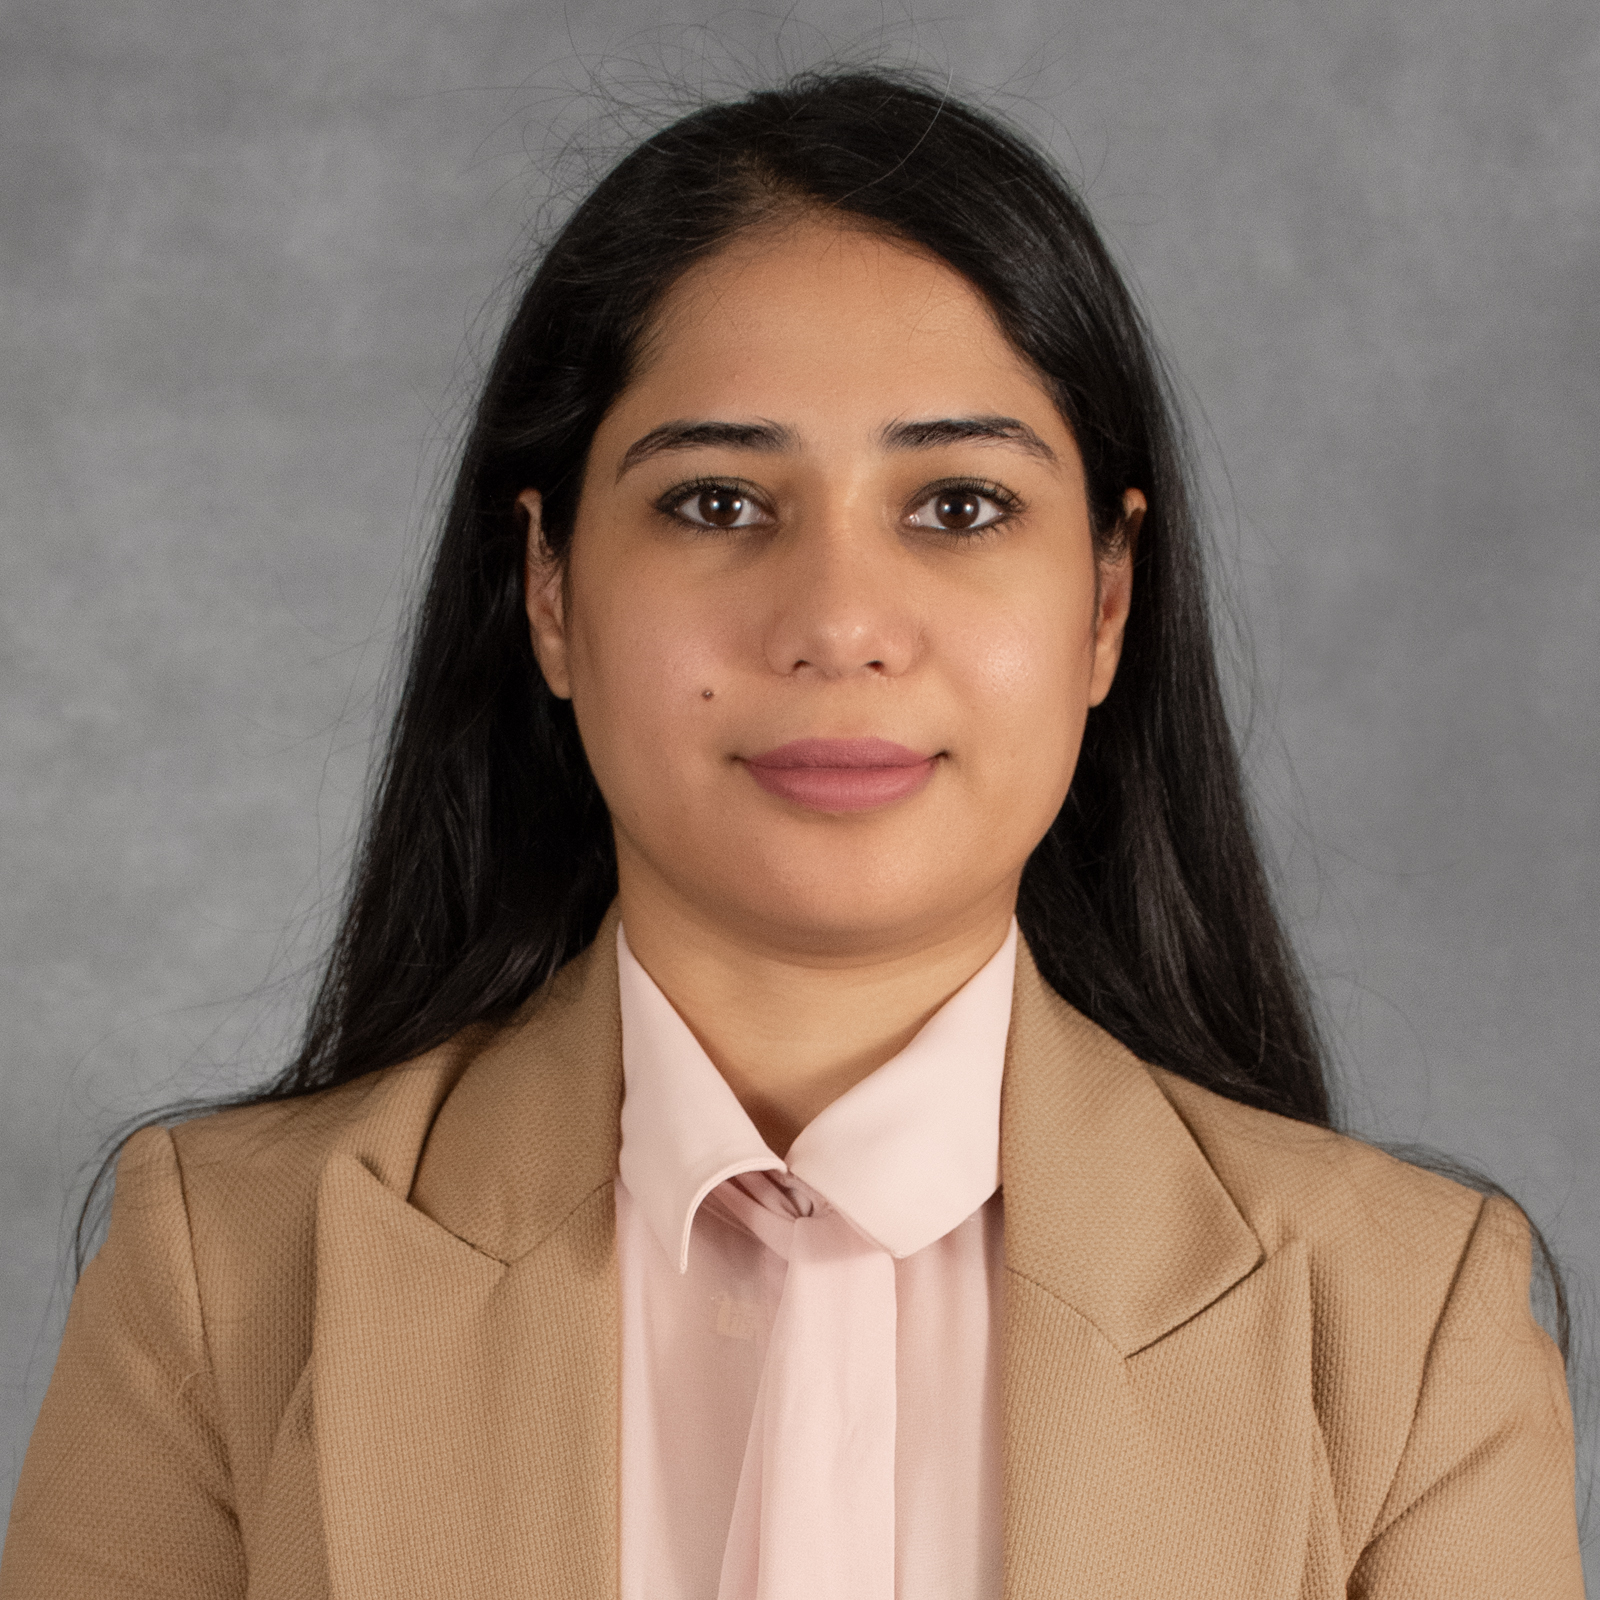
(905, 1155)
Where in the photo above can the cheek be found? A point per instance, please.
(1014, 666)
(640, 663)
(1025, 670)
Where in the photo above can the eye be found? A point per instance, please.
(962, 508)
(716, 505)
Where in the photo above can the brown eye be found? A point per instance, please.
(959, 510)
(719, 505)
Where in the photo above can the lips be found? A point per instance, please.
(841, 774)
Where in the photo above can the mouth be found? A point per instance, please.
(842, 774)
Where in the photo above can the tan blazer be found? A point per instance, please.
(365, 1345)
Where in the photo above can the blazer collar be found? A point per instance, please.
(532, 1130)
(1158, 1437)
(1110, 1205)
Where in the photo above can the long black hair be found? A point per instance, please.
(486, 860)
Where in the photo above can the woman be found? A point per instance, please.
(811, 1097)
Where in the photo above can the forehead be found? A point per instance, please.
(836, 313)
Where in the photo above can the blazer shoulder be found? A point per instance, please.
(267, 1152)
(1425, 1351)
(249, 1174)
(1296, 1180)
(261, 1152)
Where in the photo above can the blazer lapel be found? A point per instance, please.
(1158, 1432)
(464, 1372)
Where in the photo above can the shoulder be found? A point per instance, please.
(245, 1179)
(236, 1192)
(1423, 1338)
(1083, 1108)
(1293, 1180)
(266, 1158)
(1398, 1257)
(256, 1167)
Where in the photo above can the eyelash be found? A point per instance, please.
(1008, 502)
(668, 504)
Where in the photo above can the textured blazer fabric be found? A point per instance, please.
(365, 1345)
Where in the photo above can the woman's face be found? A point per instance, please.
(832, 618)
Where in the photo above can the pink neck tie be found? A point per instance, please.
(813, 1518)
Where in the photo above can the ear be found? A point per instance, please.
(1115, 596)
(544, 594)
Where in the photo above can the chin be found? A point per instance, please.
(835, 901)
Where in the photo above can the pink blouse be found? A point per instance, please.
(810, 1394)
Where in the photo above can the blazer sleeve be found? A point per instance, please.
(1482, 1503)
(125, 1490)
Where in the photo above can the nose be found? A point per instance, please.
(842, 606)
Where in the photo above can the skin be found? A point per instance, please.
(804, 948)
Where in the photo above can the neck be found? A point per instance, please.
(789, 1030)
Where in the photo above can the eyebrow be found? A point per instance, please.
(773, 436)
(765, 436)
(966, 430)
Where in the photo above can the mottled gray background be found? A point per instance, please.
(246, 253)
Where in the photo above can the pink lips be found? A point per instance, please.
(841, 774)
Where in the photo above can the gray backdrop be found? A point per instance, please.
(246, 251)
